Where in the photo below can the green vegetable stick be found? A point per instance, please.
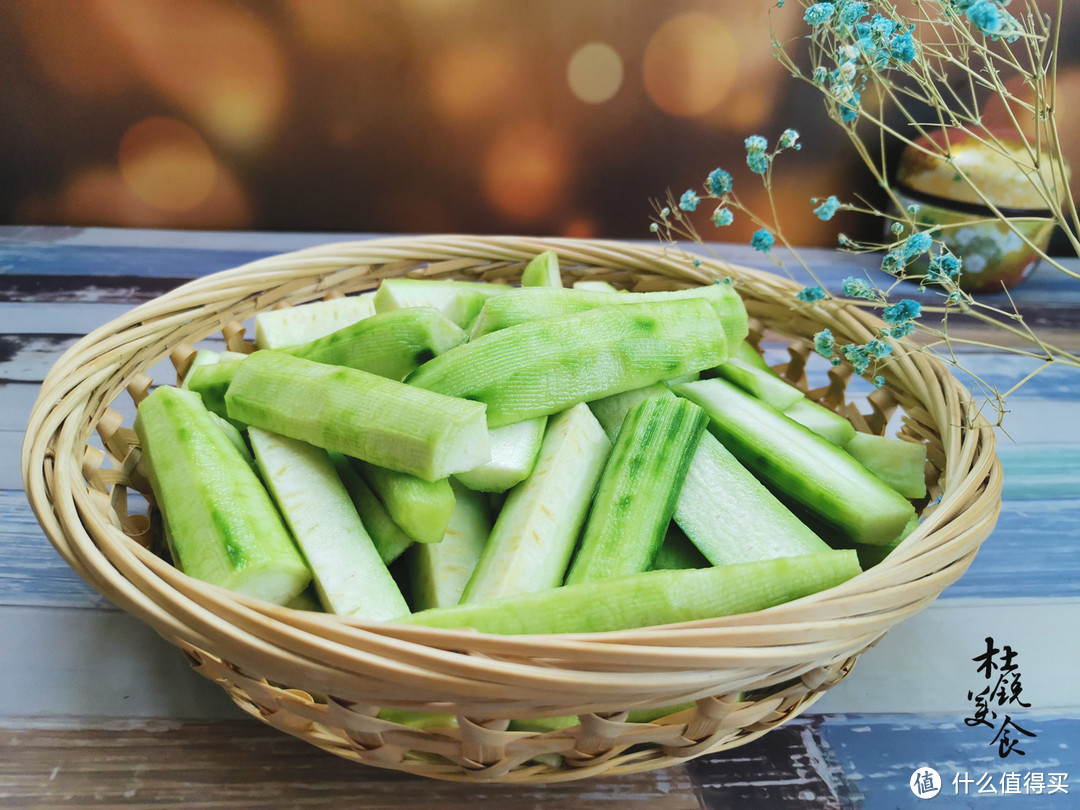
(535, 533)
(900, 464)
(460, 301)
(421, 508)
(611, 411)
(543, 271)
(528, 304)
(805, 468)
(727, 513)
(513, 453)
(387, 423)
(390, 344)
(291, 326)
(732, 517)
(546, 366)
(222, 525)
(349, 576)
(389, 539)
(651, 598)
(638, 490)
(440, 571)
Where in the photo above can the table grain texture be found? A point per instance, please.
(96, 710)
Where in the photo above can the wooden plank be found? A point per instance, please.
(10, 449)
(1040, 471)
(1039, 537)
(788, 767)
(16, 402)
(1003, 371)
(125, 670)
(42, 318)
(1044, 534)
(879, 753)
(60, 664)
(156, 237)
(923, 665)
(31, 571)
(1034, 420)
(814, 762)
(27, 358)
(843, 762)
(66, 288)
(93, 260)
(244, 764)
(102, 252)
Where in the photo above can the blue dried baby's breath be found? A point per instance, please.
(856, 288)
(853, 12)
(878, 348)
(718, 182)
(857, 356)
(900, 330)
(722, 216)
(902, 47)
(762, 240)
(810, 294)
(916, 245)
(689, 200)
(901, 312)
(944, 267)
(825, 343)
(819, 13)
(827, 210)
(756, 143)
(986, 16)
(756, 158)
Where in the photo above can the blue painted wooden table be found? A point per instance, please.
(97, 710)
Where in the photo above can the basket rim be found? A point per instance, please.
(70, 404)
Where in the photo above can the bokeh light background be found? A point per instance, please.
(475, 116)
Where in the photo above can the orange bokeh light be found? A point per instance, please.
(582, 227)
(217, 61)
(525, 170)
(98, 195)
(473, 78)
(690, 64)
(747, 108)
(1066, 115)
(800, 181)
(595, 72)
(167, 164)
(73, 49)
(331, 25)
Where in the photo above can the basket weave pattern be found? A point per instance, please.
(324, 679)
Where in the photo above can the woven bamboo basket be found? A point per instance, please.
(325, 679)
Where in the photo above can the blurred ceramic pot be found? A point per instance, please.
(994, 255)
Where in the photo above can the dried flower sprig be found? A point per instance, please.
(919, 80)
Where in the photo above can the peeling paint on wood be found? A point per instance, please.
(787, 767)
(247, 765)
